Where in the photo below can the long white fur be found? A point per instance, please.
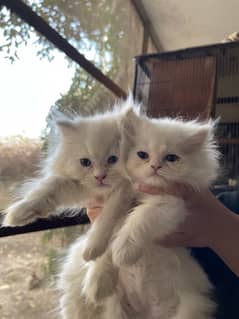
(63, 182)
(157, 282)
(144, 280)
(170, 283)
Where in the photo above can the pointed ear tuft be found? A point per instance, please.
(200, 137)
(128, 123)
(65, 126)
(203, 134)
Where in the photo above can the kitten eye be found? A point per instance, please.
(171, 158)
(85, 162)
(143, 155)
(112, 159)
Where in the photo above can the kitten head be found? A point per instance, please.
(161, 151)
(88, 150)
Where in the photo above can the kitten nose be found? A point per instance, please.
(100, 178)
(154, 167)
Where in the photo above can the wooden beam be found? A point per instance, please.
(46, 224)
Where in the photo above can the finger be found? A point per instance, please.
(176, 189)
(178, 243)
(96, 202)
(150, 189)
(177, 239)
(180, 190)
(93, 213)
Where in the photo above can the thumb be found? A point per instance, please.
(150, 189)
(178, 239)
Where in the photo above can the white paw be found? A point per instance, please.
(94, 248)
(125, 251)
(100, 285)
(20, 213)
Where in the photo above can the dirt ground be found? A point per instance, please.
(26, 289)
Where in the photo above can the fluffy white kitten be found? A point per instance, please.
(163, 282)
(85, 164)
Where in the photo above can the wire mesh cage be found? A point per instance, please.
(199, 82)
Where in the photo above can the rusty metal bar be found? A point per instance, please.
(46, 224)
(41, 26)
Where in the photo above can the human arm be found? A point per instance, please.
(209, 224)
(94, 211)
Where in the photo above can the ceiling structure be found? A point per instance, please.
(186, 23)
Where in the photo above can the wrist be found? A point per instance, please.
(224, 243)
(221, 228)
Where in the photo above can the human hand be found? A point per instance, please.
(199, 228)
(94, 209)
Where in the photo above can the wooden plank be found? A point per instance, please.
(228, 141)
(182, 87)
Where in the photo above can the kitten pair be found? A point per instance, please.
(104, 156)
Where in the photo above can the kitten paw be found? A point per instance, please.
(94, 248)
(99, 285)
(21, 213)
(125, 252)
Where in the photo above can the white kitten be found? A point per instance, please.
(85, 164)
(161, 282)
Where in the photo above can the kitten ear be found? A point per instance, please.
(203, 134)
(128, 123)
(66, 127)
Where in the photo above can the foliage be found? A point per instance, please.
(86, 24)
(19, 157)
(50, 267)
(54, 241)
(94, 27)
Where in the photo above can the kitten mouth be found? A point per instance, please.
(155, 174)
(102, 185)
(157, 178)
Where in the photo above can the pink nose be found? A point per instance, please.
(100, 178)
(155, 168)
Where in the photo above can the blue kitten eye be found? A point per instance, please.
(112, 159)
(171, 158)
(85, 162)
(143, 155)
